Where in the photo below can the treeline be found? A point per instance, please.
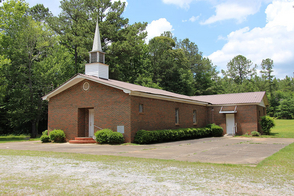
(39, 52)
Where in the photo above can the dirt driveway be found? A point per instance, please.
(233, 150)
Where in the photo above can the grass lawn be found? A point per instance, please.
(283, 129)
(17, 138)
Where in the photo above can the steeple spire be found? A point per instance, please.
(97, 40)
(96, 66)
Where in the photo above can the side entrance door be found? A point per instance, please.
(91, 122)
(230, 122)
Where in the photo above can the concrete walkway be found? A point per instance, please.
(233, 150)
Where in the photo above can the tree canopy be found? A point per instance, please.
(40, 52)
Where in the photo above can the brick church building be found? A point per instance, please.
(89, 102)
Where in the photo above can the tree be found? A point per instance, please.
(40, 13)
(204, 73)
(27, 44)
(121, 41)
(170, 66)
(239, 69)
(267, 70)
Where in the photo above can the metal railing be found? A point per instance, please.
(98, 127)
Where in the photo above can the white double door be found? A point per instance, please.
(91, 122)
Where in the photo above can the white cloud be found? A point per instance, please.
(233, 10)
(157, 27)
(194, 18)
(181, 3)
(274, 41)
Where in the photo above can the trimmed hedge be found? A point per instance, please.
(102, 136)
(148, 137)
(216, 131)
(116, 138)
(57, 135)
(107, 136)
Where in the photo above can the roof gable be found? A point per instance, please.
(257, 98)
(131, 89)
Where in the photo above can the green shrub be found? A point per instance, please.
(255, 133)
(115, 138)
(138, 137)
(45, 138)
(102, 136)
(216, 131)
(45, 132)
(57, 135)
(148, 137)
(266, 123)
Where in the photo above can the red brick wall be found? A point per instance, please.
(247, 118)
(111, 108)
(160, 114)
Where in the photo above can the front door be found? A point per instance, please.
(91, 122)
(230, 122)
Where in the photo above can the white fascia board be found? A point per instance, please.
(76, 80)
(63, 87)
(233, 104)
(167, 98)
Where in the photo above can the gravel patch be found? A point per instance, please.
(29, 175)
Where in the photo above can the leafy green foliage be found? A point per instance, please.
(239, 69)
(216, 131)
(115, 138)
(148, 137)
(286, 109)
(102, 136)
(57, 135)
(45, 132)
(255, 133)
(266, 123)
(45, 138)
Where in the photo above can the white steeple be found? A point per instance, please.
(96, 66)
(97, 40)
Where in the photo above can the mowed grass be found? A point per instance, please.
(17, 138)
(283, 129)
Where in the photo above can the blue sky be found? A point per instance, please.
(222, 29)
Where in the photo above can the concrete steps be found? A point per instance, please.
(82, 140)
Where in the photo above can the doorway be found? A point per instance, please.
(91, 122)
(230, 124)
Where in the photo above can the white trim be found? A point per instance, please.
(80, 78)
(167, 98)
(262, 104)
(228, 112)
(233, 104)
(127, 91)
